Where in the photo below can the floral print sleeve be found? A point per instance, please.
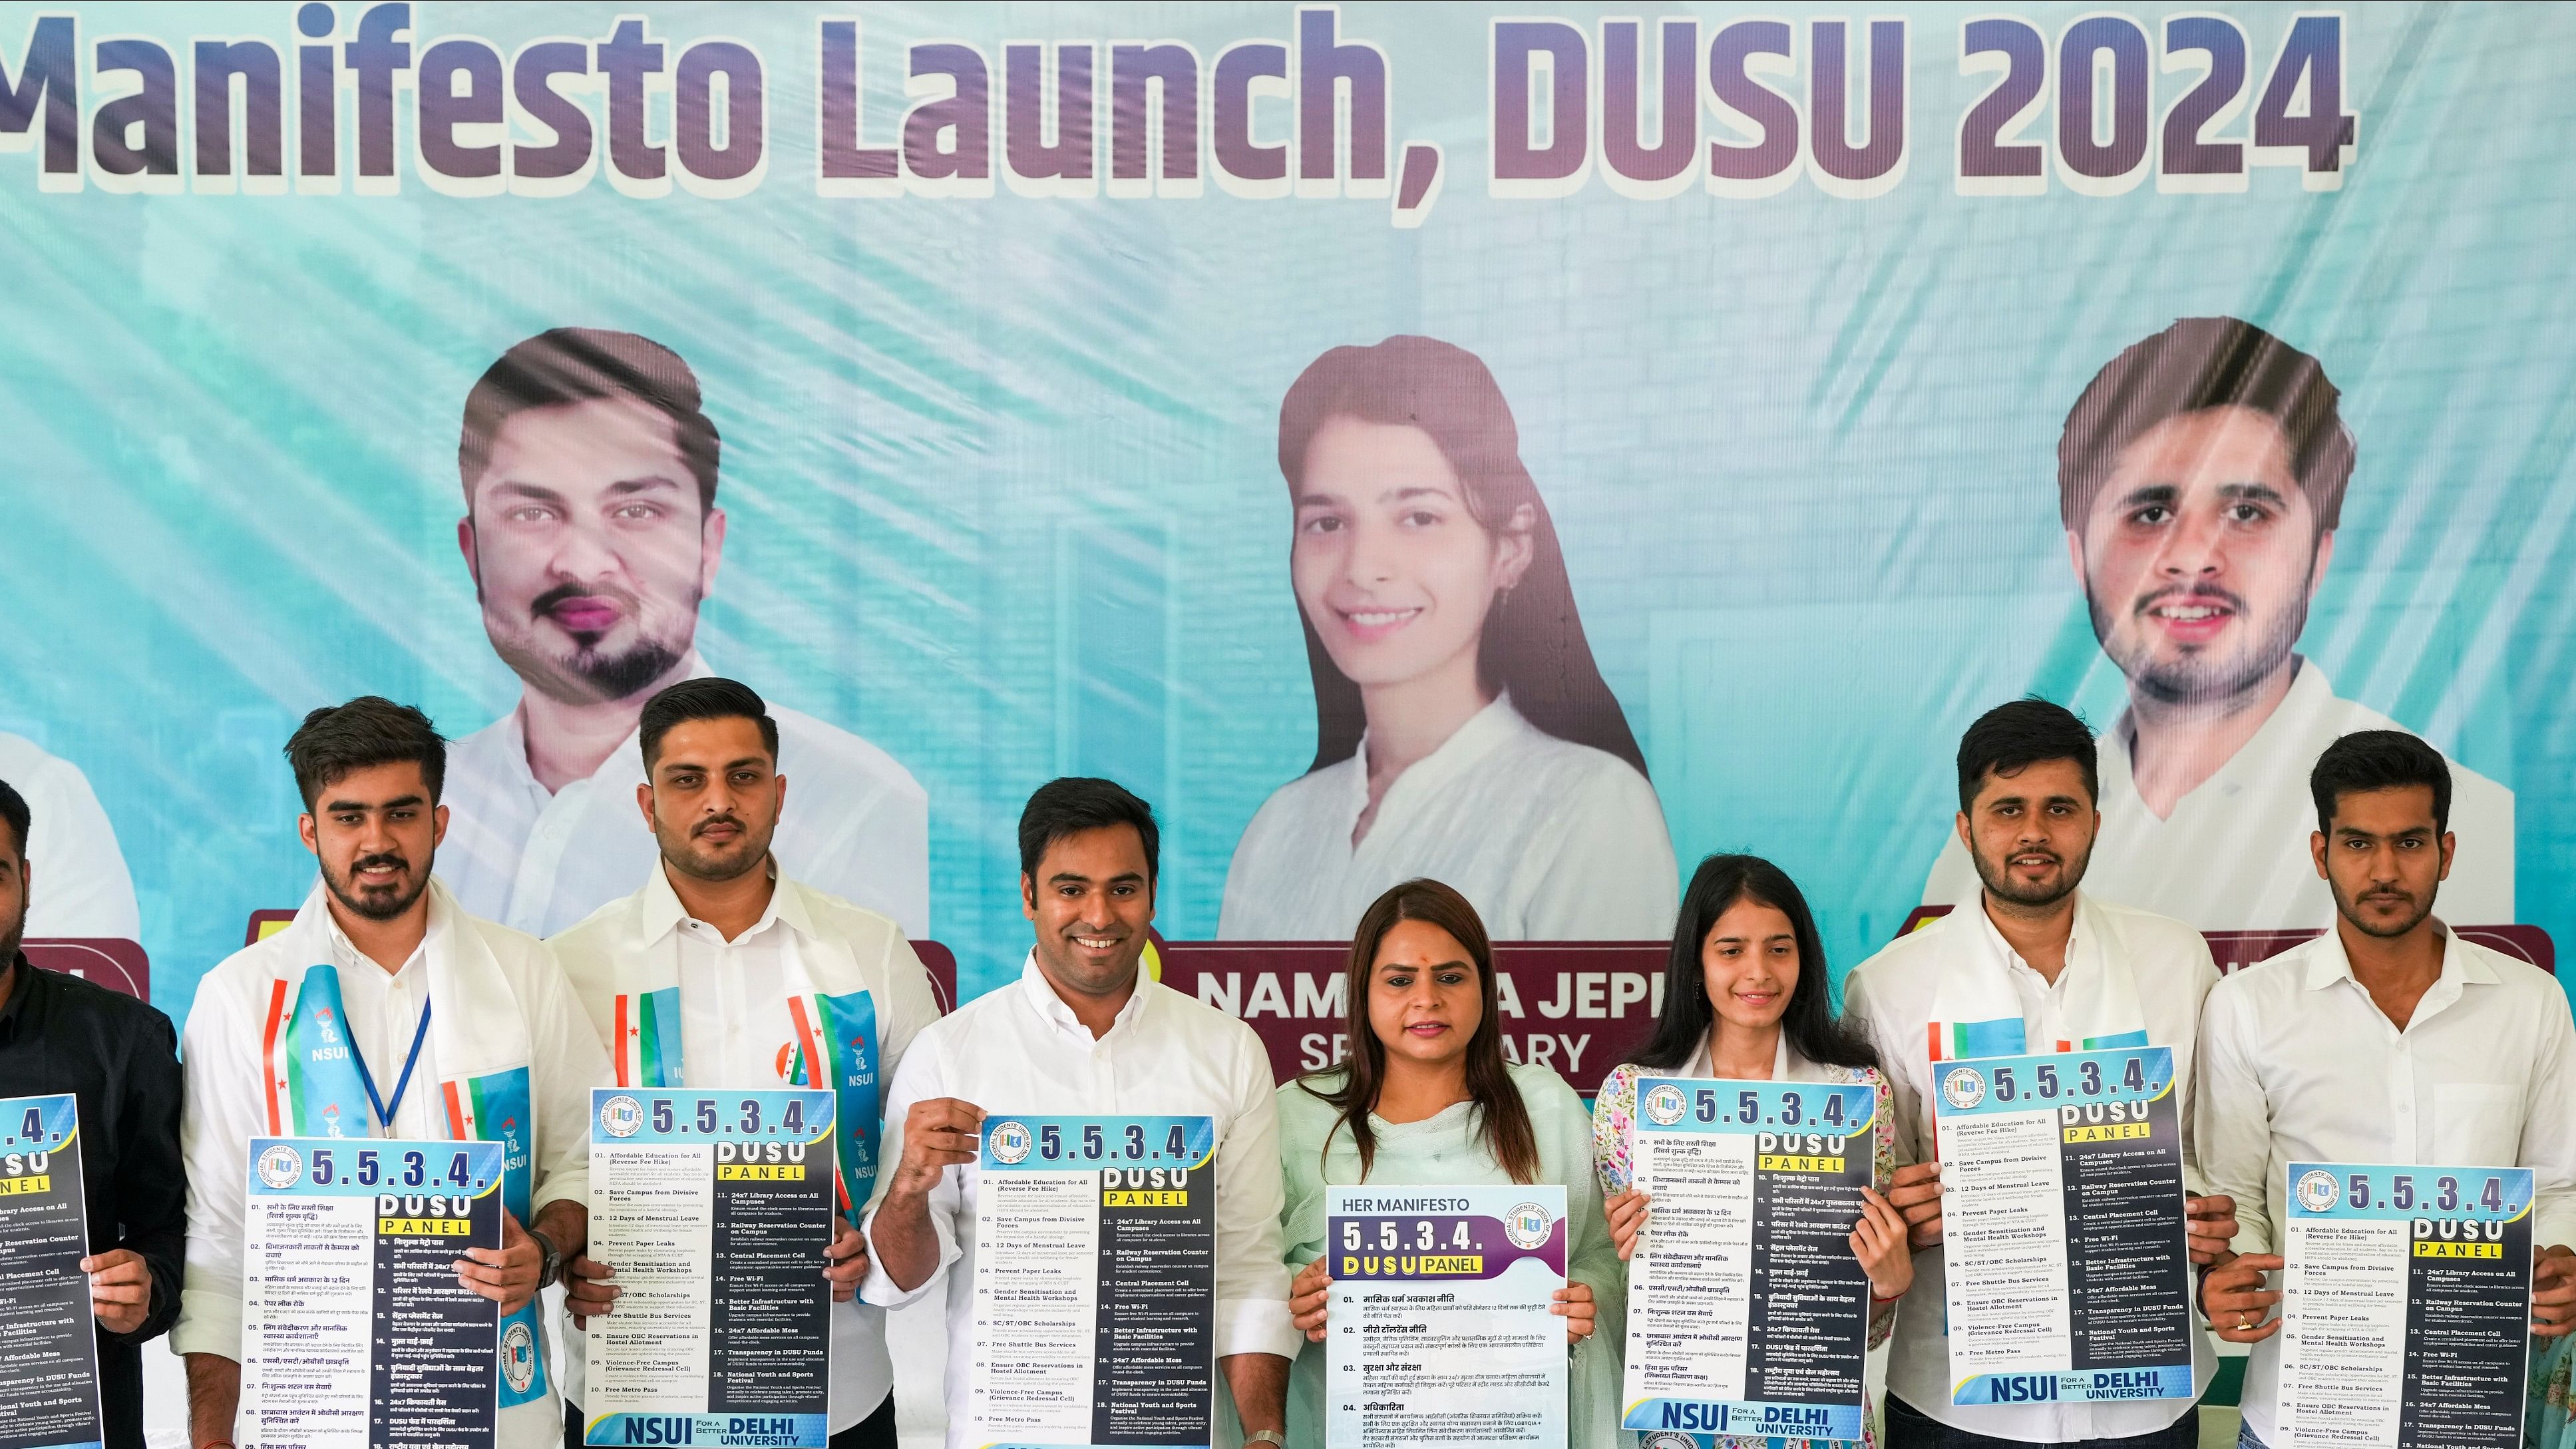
(1612, 1112)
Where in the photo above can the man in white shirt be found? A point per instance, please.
(2201, 477)
(752, 981)
(2388, 1039)
(592, 532)
(2034, 965)
(385, 1010)
(1084, 1031)
(87, 889)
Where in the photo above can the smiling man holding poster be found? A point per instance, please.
(2035, 965)
(1052, 1260)
(383, 1010)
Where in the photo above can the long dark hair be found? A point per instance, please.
(1810, 1024)
(1499, 1109)
(1533, 645)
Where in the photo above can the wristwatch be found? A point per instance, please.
(552, 1269)
(1267, 1436)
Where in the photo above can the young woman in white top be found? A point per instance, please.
(1462, 729)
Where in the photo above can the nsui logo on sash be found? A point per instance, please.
(518, 1355)
(1010, 1142)
(281, 1167)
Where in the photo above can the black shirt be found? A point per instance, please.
(119, 1056)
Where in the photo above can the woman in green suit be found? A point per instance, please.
(1426, 1097)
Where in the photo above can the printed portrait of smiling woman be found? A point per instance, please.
(1462, 729)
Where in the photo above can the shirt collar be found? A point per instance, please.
(663, 913)
(2082, 935)
(2329, 963)
(1052, 1010)
(1485, 731)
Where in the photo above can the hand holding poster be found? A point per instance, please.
(356, 1333)
(715, 1210)
(1095, 1281)
(2405, 1305)
(49, 1392)
(1441, 1329)
(1747, 1312)
(2062, 1225)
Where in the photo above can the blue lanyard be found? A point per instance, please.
(385, 1114)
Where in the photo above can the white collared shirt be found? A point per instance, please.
(1891, 996)
(1549, 840)
(227, 1106)
(734, 1034)
(2299, 1065)
(856, 825)
(77, 881)
(1021, 1050)
(2234, 854)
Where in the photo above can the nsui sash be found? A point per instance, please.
(1977, 1013)
(313, 1087)
(830, 1022)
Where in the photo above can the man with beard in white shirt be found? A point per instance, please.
(384, 1010)
(2032, 965)
(2387, 1039)
(1085, 1031)
(725, 972)
(592, 531)
(2201, 479)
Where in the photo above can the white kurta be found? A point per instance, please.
(77, 879)
(2234, 854)
(2299, 1065)
(734, 1033)
(1550, 841)
(856, 825)
(1891, 996)
(227, 1105)
(1020, 1049)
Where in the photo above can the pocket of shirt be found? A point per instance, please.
(2477, 1124)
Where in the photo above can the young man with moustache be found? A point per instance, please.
(2201, 480)
(392, 1013)
(60, 1035)
(725, 972)
(2387, 1039)
(1085, 1031)
(2034, 964)
(592, 532)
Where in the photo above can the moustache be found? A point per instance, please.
(712, 821)
(393, 859)
(2185, 593)
(554, 598)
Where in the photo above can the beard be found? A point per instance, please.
(587, 672)
(2198, 676)
(680, 849)
(376, 903)
(2380, 928)
(1998, 877)
(13, 934)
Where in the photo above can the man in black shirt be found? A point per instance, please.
(119, 1057)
